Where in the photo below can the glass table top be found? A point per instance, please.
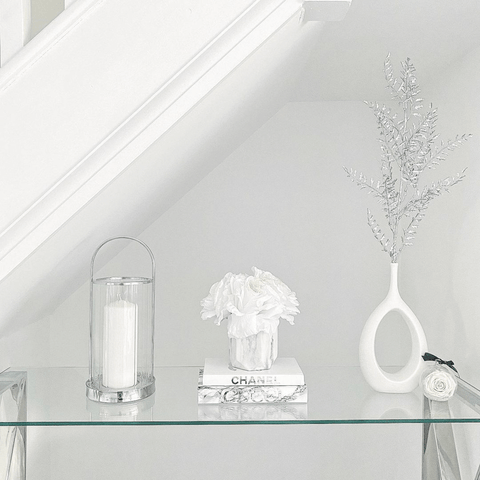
(336, 395)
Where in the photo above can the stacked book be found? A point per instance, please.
(239, 412)
(220, 383)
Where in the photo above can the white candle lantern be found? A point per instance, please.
(122, 317)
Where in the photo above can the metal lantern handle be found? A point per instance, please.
(123, 238)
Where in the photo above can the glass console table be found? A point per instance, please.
(55, 397)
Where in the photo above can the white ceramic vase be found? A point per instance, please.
(406, 379)
(253, 342)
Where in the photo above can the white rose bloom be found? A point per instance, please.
(222, 298)
(251, 303)
(282, 302)
(438, 383)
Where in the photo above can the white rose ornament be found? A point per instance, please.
(439, 381)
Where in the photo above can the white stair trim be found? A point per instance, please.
(45, 40)
(151, 120)
(15, 20)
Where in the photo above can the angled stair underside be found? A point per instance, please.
(115, 111)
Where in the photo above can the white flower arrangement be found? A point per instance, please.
(257, 301)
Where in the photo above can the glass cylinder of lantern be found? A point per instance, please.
(122, 316)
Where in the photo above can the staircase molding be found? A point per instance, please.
(15, 22)
(46, 39)
(121, 147)
(137, 132)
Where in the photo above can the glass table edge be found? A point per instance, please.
(241, 422)
(466, 392)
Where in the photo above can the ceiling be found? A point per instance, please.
(347, 61)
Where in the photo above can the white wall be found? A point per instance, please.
(282, 202)
(269, 204)
(458, 100)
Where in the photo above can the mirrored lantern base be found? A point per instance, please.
(97, 392)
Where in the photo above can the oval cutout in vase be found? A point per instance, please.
(406, 379)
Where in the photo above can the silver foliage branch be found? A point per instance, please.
(409, 146)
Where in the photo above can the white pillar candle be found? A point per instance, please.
(120, 344)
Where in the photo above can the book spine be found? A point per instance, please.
(252, 394)
(249, 379)
(238, 412)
